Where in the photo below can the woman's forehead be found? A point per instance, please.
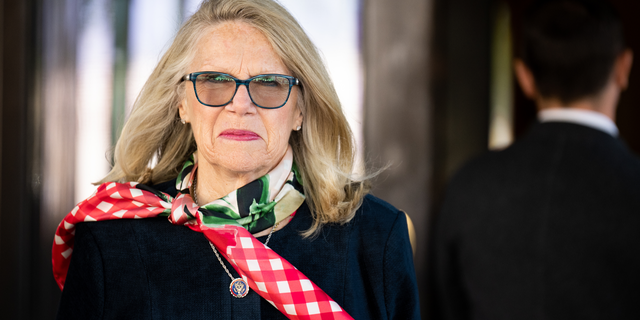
(237, 48)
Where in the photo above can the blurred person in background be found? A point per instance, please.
(549, 227)
(250, 210)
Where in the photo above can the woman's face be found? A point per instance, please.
(239, 138)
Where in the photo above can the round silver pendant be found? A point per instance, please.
(238, 288)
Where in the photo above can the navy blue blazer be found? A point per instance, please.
(547, 229)
(151, 269)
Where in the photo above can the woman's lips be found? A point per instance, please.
(239, 135)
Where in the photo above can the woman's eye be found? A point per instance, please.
(217, 79)
(268, 81)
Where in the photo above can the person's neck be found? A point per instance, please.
(604, 103)
(214, 182)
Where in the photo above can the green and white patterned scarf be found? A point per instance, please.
(256, 206)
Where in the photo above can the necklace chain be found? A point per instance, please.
(195, 198)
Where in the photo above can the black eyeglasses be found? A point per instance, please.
(216, 89)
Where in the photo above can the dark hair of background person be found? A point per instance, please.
(570, 46)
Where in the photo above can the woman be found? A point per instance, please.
(251, 148)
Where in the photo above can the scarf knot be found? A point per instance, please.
(183, 209)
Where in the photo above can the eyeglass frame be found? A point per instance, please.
(293, 81)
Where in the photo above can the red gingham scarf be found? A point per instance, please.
(266, 272)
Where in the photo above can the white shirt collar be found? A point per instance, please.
(592, 119)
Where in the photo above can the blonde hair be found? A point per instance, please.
(324, 149)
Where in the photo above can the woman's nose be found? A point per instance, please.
(241, 102)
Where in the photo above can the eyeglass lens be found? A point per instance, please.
(268, 91)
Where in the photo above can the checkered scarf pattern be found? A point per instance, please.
(266, 272)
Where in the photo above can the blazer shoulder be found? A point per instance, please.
(125, 235)
(377, 218)
(378, 210)
(116, 227)
(111, 230)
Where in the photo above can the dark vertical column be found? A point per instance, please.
(18, 190)
(463, 47)
(427, 95)
(397, 107)
(461, 91)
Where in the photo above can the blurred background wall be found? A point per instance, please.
(426, 84)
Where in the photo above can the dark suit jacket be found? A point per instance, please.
(546, 229)
(151, 269)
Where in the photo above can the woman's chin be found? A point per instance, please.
(246, 158)
(242, 163)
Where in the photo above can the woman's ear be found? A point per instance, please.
(297, 124)
(182, 110)
(525, 79)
